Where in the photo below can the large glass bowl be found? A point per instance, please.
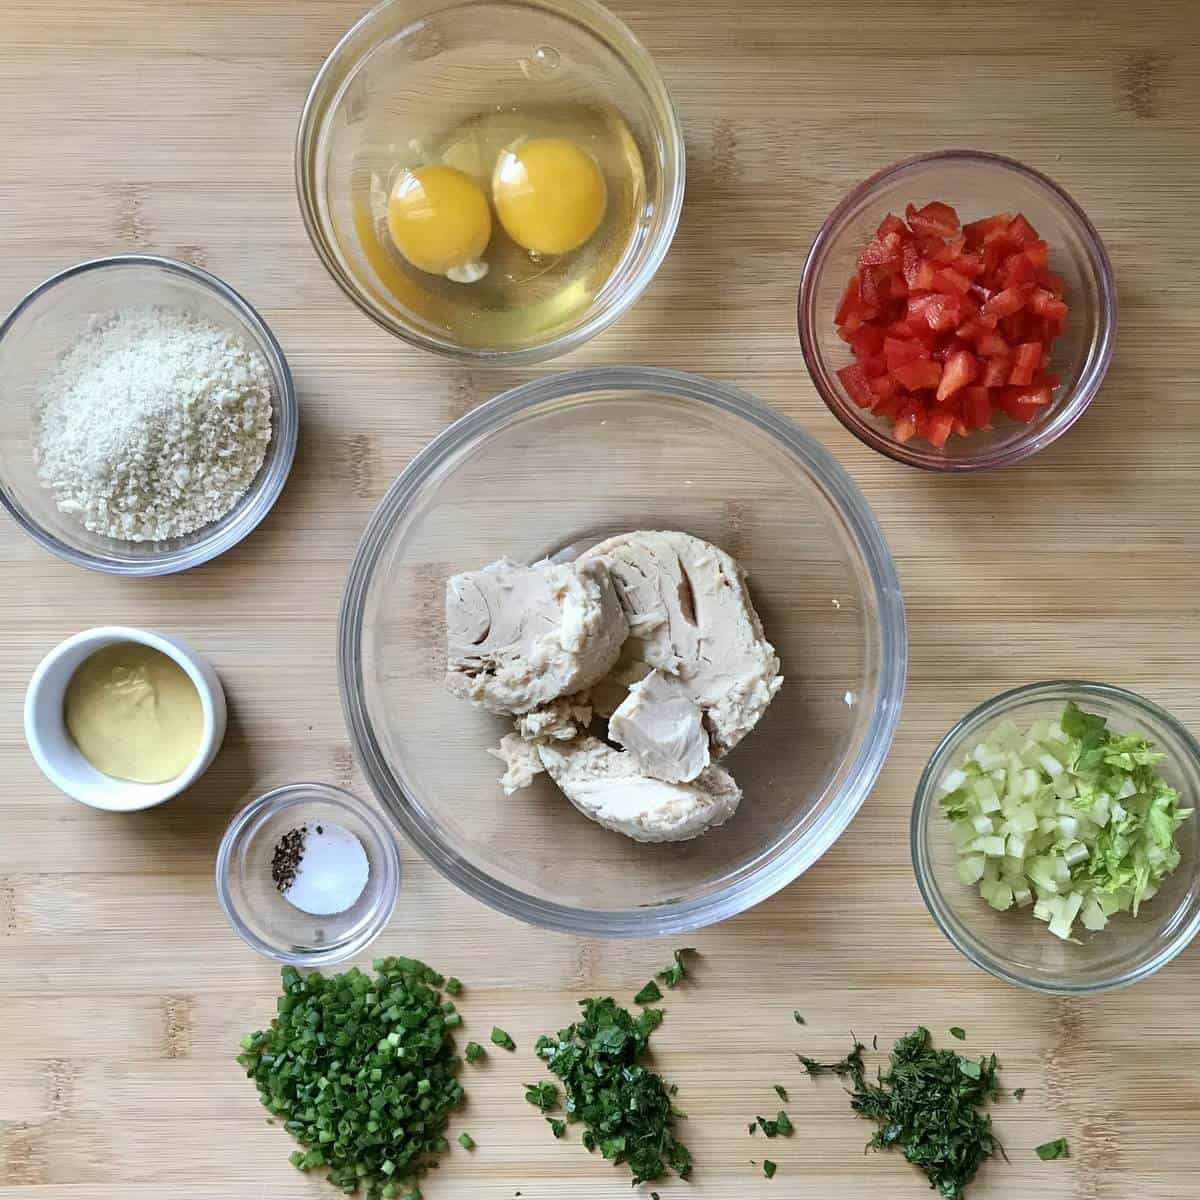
(1013, 945)
(427, 65)
(978, 185)
(549, 469)
(46, 323)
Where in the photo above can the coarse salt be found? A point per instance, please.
(332, 872)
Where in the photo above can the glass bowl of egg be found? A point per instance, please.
(490, 181)
(771, 606)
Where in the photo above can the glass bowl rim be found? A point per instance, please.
(955, 930)
(277, 800)
(890, 658)
(640, 63)
(1073, 406)
(277, 463)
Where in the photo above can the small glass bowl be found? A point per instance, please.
(433, 60)
(260, 915)
(977, 185)
(1013, 945)
(45, 324)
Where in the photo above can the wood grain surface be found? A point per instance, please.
(168, 127)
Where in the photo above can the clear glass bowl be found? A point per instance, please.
(549, 469)
(978, 185)
(1013, 945)
(260, 915)
(438, 62)
(46, 323)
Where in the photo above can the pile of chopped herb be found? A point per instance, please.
(627, 1110)
(928, 1103)
(362, 1071)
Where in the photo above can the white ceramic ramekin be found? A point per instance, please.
(58, 756)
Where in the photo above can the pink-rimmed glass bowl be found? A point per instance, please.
(977, 185)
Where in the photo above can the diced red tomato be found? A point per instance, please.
(949, 323)
(882, 250)
(921, 275)
(1021, 231)
(854, 380)
(884, 387)
(921, 373)
(977, 407)
(1039, 397)
(1005, 302)
(898, 352)
(934, 220)
(1047, 305)
(991, 345)
(970, 265)
(1027, 362)
(1018, 270)
(867, 341)
(935, 427)
(1054, 284)
(960, 369)
(1038, 253)
(889, 406)
(944, 253)
(948, 279)
(976, 231)
(906, 422)
(996, 371)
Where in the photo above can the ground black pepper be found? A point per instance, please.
(289, 854)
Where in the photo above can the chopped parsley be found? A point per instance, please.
(769, 1168)
(474, 1052)
(677, 971)
(853, 1062)
(957, 1031)
(501, 1039)
(797, 1017)
(626, 1109)
(927, 1103)
(649, 994)
(557, 1127)
(542, 1095)
(781, 1092)
(777, 1126)
(1018, 1094)
(1049, 1151)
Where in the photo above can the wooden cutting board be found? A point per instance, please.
(168, 127)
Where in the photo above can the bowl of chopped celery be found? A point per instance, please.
(1054, 837)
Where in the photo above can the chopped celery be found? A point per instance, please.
(1068, 818)
(970, 868)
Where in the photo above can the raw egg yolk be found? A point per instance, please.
(549, 194)
(440, 221)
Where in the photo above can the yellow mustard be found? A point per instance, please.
(134, 713)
